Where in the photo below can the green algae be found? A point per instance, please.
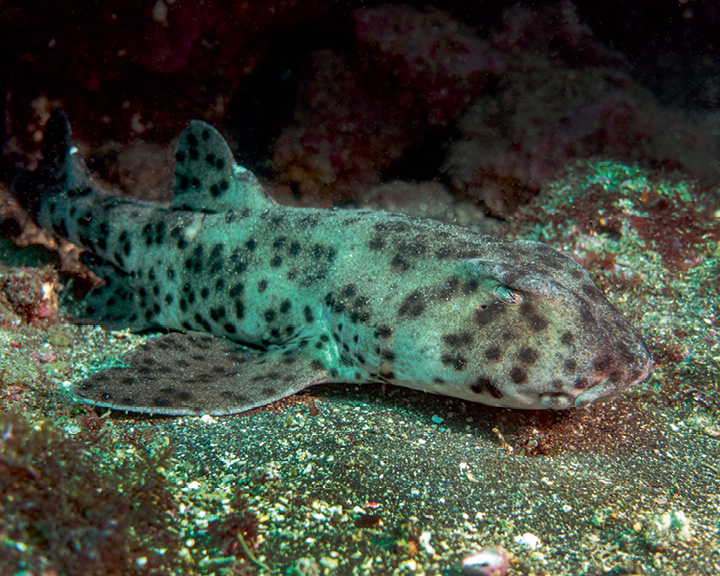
(374, 480)
(71, 506)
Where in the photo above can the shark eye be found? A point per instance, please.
(508, 295)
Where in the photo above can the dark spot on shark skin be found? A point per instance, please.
(376, 244)
(459, 340)
(276, 262)
(624, 352)
(348, 291)
(528, 355)
(399, 264)
(204, 323)
(457, 361)
(535, 321)
(251, 244)
(180, 156)
(384, 331)
(239, 310)
(493, 353)
(276, 220)
(85, 240)
(413, 305)
(603, 362)
(193, 141)
(587, 319)
(361, 302)
(616, 376)
(445, 252)
(518, 375)
(269, 315)
(85, 219)
(484, 385)
(294, 249)
(308, 314)
(485, 316)
(60, 228)
(262, 286)
(567, 339)
(279, 242)
(216, 314)
(581, 383)
(216, 258)
(317, 252)
(570, 365)
(285, 306)
(334, 304)
(592, 292)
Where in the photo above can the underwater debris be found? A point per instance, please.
(490, 561)
(31, 293)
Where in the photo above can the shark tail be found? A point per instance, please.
(61, 168)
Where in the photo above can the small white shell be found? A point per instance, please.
(491, 561)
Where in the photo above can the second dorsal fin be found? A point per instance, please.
(207, 179)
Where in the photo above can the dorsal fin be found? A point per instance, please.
(207, 178)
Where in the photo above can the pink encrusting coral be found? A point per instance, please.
(356, 115)
(436, 66)
(562, 98)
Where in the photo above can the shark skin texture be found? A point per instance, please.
(265, 300)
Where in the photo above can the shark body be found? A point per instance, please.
(321, 295)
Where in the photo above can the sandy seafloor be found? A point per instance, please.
(383, 480)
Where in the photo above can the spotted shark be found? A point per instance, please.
(273, 299)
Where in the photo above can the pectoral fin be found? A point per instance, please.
(197, 374)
